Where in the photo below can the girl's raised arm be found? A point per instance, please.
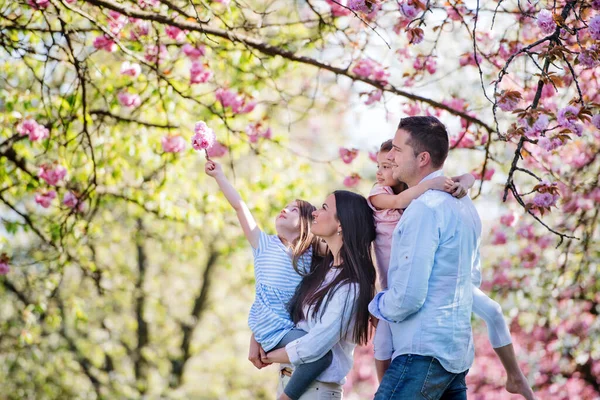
(249, 226)
(403, 199)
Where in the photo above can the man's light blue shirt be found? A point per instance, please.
(433, 264)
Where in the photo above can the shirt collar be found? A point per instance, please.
(432, 175)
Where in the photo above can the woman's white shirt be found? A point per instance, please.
(323, 333)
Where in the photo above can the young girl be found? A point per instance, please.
(279, 263)
(387, 199)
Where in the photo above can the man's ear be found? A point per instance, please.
(424, 159)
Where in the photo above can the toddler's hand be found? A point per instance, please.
(458, 190)
(442, 183)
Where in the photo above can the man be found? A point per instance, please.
(433, 264)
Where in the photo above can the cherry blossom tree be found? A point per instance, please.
(103, 200)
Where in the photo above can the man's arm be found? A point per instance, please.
(413, 252)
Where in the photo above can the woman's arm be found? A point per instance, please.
(324, 334)
(404, 198)
(249, 226)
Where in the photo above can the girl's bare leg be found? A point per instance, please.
(516, 382)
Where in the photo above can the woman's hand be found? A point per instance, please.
(256, 355)
(277, 356)
(213, 169)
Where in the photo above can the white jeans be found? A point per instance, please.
(316, 391)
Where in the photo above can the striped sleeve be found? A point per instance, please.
(263, 240)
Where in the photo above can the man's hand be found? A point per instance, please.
(256, 355)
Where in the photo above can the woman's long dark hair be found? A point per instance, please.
(358, 233)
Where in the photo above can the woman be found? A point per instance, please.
(331, 302)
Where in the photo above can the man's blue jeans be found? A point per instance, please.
(413, 377)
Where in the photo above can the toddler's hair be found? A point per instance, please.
(386, 146)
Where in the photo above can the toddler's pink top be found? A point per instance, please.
(385, 222)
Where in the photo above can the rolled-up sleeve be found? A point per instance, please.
(327, 330)
(413, 252)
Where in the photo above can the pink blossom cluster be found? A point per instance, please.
(258, 130)
(52, 174)
(358, 6)
(373, 156)
(594, 27)
(415, 35)
(72, 201)
(469, 59)
(596, 121)
(105, 43)
(39, 4)
(509, 219)
(409, 10)
(567, 117)
(140, 29)
(427, 63)
(338, 10)
(239, 104)
(130, 69)
(509, 100)
(464, 140)
(498, 237)
(116, 21)
(129, 100)
(545, 200)
(489, 173)
(175, 33)
(550, 144)
(373, 97)
(369, 69)
(204, 137)
(217, 150)
(32, 129)
(412, 109)
(352, 180)
(156, 54)
(545, 22)
(4, 266)
(348, 155)
(173, 143)
(589, 57)
(148, 3)
(537, 128)
(193, 52)
(45, 198)
(199, 73)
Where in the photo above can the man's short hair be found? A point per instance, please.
(427, 134)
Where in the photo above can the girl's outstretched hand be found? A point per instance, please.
(213, 169)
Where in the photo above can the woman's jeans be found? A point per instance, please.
(304, 374)
(411, 376)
